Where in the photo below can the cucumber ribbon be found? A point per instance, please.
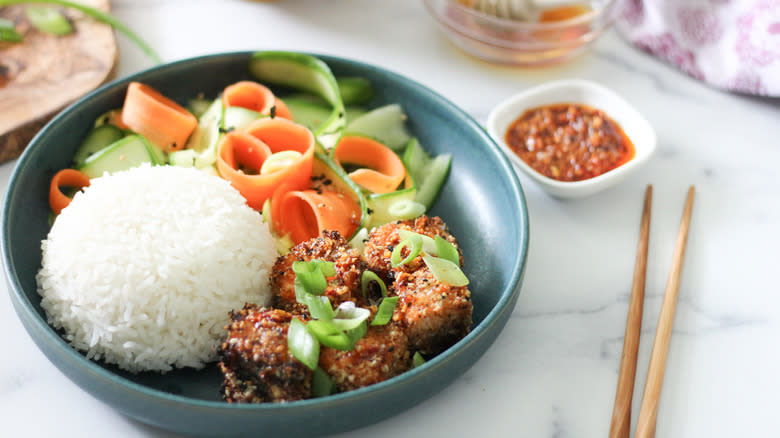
(306, 73)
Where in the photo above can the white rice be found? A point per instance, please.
(142, 268)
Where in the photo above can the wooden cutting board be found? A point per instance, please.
(45, 73)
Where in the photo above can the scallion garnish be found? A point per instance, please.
(446, 271)
(417, 359)
(446, 250)
(49, 20)
(302, 344)
(428, 244)
(8, 31)
(319, 306)
(413, 244)
(369, 277)
(95, 14)
(321, 384)
(385, 312)
(330, 335)
(311, 275)
(348, 316)
(358, 332)
(406, 209)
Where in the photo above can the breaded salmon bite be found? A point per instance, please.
(434, 315)
(429, 316)
(379, 355)
(256, 362)
(383, 239)
(330, 247)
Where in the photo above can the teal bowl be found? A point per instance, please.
(482, 202)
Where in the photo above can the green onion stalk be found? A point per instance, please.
(98, 15)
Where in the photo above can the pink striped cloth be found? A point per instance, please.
(731, 44)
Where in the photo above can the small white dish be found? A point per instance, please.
(634, 125)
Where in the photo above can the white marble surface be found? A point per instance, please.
(553, 370)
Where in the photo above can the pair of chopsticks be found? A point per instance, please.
(621, 414)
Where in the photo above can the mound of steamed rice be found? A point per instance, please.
(142, 268)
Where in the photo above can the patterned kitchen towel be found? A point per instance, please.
(731, 44)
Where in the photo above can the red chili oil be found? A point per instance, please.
(569, 142)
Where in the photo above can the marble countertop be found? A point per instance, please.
(553, 370)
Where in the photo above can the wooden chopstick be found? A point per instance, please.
(621, 413)
(648, 412)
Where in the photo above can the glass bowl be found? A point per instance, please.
(521, 42)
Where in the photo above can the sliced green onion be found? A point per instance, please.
(446, 250)
(357, 333)
(279, 161)
(321, 384)
(328, 268)
(319, 306)
(310, 276)
(359, 239)
(301, 295)
(385, 312)
(417, 359)
(446, 271)
(49, 20)
(8, 31)
(348, 316)
(366, 280)
(330, 335)
(428, 244)
(98, 15)
(414, 244)
(406, 209)
(302, 344)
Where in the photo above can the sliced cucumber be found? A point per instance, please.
(359, 240)
(379, 205)
(207, 134)
(327, 175)
(355, 90)
(311, 111)
(236, 117)
(97, 139)
(109, 117)
(207, 128)
(198, 106)
(183, 158)
(302, 72)
(428, 173)
(308, 110)
(124, 154)
(386, 124)
(160, 156)
(353, 112)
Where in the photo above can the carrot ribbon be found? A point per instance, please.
(382, 170)
(305, 214)
(162, 121)
(241, 155)
(65, 178)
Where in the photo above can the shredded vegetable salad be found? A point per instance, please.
(317, 158)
